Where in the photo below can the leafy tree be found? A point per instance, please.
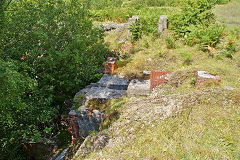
(49, 50)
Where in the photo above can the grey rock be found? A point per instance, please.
(135, 17)
(91, 144)
(162, 24)
(228, 88)
(205, 74)
(131, 21)
(138, 88)
(102, 93)
(72, 112)
(113, 26)
(146, 72)
(111, 80)
(109, 86)
(87, 123)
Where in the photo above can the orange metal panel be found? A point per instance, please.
(157, 78)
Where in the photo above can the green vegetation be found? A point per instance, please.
(113, 112)
(207, 127)
(49, 50)
(228, 14)
(135, 30)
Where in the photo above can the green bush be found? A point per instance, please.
(204, 36)
(170, 43)
(193, 13)
(49, 50)
(195, 24)
(135, 30)
(232, 39)
(101, 4)
(149, 19)
(220, 1)
(186, 58)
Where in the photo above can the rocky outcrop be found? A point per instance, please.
(109, 86)
(83, 122)
(88, 121)
(138, 88)
(91, 144)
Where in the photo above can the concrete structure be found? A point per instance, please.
(162, 24)
(204, 76)
(138, 88)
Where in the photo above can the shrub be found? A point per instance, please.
(49, 51)
(196, 25)
(135, 30)
(232, 40)
(187, 58)
(203, 36)
(170, 43)
(193, 13)
(149, 19)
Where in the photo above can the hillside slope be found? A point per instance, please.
(155, 128)
(178, 120)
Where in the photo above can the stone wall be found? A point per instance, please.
(84, 121)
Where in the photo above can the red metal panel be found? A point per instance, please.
(157, 78)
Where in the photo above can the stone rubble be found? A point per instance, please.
(138, 88)
(91, 144)
(109, 86)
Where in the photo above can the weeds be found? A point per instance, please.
(170, 42)
(187, 58)
(135, 30)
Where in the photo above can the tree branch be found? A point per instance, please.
(9, 2)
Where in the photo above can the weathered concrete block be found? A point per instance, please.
(204, 76)
(132, 20)
(138, 88)
(146, 72)
(135, 17)
(88, 120)
(162, 24)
